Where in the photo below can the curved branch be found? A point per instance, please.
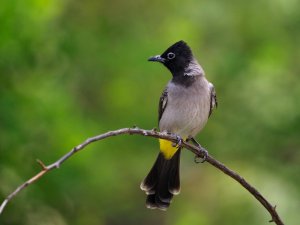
(155, 134)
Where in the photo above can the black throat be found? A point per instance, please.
(183, 80)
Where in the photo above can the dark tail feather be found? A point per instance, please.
(162, 182)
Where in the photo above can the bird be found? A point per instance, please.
(185, 105)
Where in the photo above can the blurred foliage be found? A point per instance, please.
(74, 69)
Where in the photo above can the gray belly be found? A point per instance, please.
(186, 115)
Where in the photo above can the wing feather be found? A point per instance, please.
(213, 98)
(162, 103)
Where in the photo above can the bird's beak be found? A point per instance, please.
(157, 58)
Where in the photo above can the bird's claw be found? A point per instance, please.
(203, 152)
(179, 142)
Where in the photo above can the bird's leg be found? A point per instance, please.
(202, 151)
(179, 141)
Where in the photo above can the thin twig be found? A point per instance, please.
(150, 133)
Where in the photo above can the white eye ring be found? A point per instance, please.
(171, 55)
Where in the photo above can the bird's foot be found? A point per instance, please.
(201, 159)
(179, 142)
(203, 153)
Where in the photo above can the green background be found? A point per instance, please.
(74, 69)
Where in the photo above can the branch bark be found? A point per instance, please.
(155, 134)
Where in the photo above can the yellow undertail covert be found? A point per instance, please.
(167, 148)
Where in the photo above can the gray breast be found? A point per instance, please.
(187, 109)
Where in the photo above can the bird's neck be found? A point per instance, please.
(184, 80)
(189, 75)
(194, 69)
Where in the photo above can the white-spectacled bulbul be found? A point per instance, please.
(184, 108)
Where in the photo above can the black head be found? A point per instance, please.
(176, 58)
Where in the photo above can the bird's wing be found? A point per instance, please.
(213, 98)
(162, 103)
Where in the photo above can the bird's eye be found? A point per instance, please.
(171, 55)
